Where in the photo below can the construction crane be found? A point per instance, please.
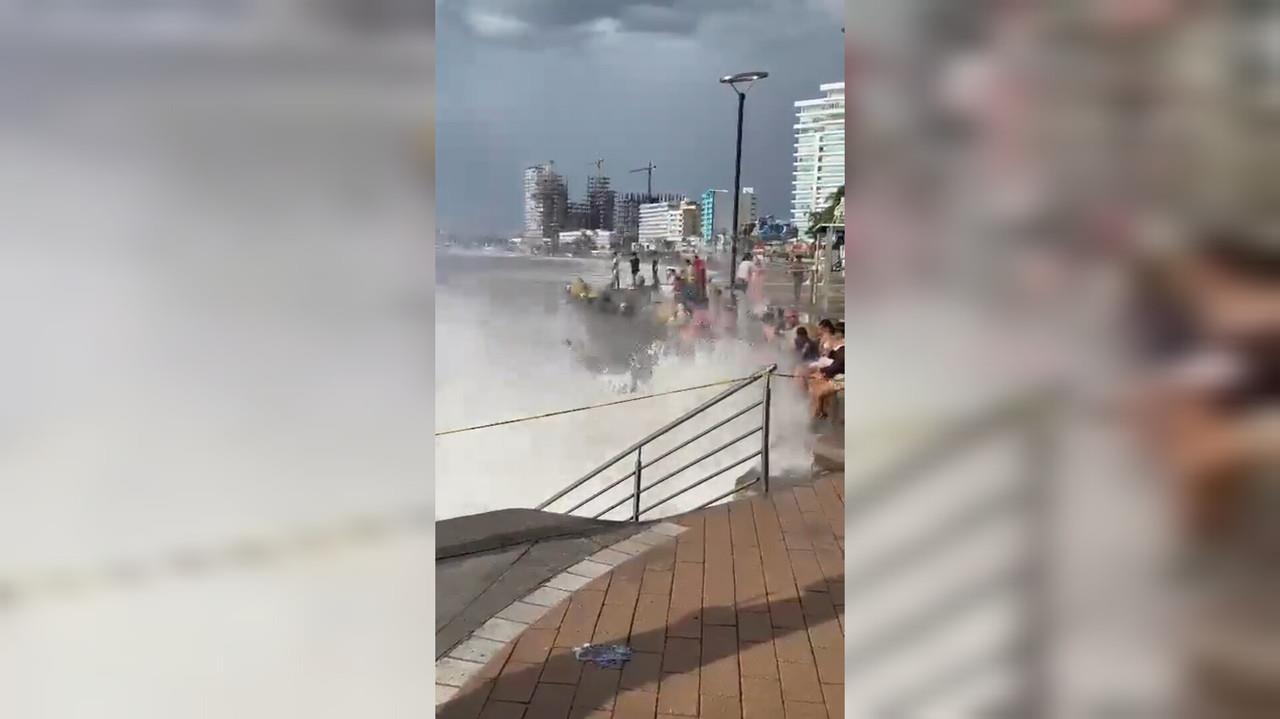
(648, 170)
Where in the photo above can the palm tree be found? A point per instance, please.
(827, 214)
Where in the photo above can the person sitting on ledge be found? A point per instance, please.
(806, 348)
(826, 329)
(826, 381)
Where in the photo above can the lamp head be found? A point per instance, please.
(743, 77)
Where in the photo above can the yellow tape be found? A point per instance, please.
(557, 413)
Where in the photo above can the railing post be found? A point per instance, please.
(764, 432)
(813, 281)
(635, 496)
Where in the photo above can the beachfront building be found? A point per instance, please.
(748, 208)
(626, 214)
(667, 225)
(714, 211)
(596, 240)
(655, 224)
(819, 152)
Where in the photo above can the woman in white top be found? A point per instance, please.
(755, 289)
(744, 271)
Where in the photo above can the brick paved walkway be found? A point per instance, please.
(742, 617)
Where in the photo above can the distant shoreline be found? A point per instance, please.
(469, 252)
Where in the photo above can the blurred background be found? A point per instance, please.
(217, 302)
(1083, 193)
(217, 363)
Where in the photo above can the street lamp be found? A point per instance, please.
(747, 79)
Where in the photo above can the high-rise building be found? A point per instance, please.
(577, 216)
(748, 208)
(533, 177)
(600, 203)
(715, 209)
(819, 152)
(717, 206)
(546, 202)
(626, 219)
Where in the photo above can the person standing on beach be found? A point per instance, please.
(617, 281)
(677, 285)
(797, 276)
(755, 288)
(744, 271)
(635, 268)
(654, 268)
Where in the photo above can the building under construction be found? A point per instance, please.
(600, 203)
(577, 217)
(548, 211)
(546, 204)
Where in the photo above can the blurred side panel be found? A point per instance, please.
(216, 279)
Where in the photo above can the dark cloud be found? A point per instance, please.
(627, 82)
(656, 18)
(560, 20)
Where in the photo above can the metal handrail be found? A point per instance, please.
(764, 375)
(673, 473)
(606, 488)
(704, 455)
(666, 454)
(700, 482)
(703, 433)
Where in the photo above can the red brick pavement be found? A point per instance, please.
(741, 618)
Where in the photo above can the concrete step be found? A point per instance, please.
(488, 531)
(485, 561)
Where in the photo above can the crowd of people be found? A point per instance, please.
(821, 363)
(695, 310)
(815, 355)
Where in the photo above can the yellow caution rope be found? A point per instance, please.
(591, 406)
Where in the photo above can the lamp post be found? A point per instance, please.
(747, 78)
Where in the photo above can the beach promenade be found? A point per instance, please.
(779, 289)
(735, 611)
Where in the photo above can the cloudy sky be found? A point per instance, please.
(525, 81)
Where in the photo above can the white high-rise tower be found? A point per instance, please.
(819, 152)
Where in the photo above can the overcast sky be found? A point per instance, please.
(525, 81)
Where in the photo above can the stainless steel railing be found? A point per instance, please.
(761, 379)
